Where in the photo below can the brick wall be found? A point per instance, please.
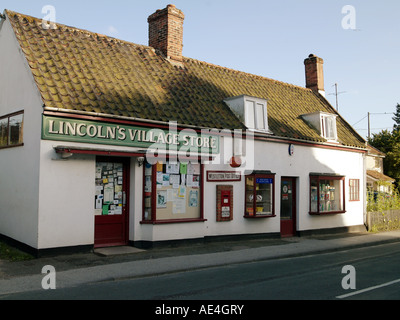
(166, 32)
(314, 73)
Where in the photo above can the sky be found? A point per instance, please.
(359, 41)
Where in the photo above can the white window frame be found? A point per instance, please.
(354, 189)
(239, 105)
(252, 118)
(328, 127)
(324, 123)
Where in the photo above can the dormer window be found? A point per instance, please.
(251, 111)
(324, 123)
(255, 114)
(328, 125)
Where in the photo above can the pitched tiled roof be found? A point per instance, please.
(374, 151)
(379, 176)
(79, 70)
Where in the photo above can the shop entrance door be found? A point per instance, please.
(111, 202)
(288, 207)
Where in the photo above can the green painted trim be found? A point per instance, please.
(76, 130)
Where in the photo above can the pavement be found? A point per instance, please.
(126, 262)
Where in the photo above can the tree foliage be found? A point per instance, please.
(396, 118)
(389, 143)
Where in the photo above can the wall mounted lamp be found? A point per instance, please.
(66, 155)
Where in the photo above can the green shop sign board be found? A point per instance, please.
(74, 130)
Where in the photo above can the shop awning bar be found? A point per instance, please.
(97, 152)
(68, 151)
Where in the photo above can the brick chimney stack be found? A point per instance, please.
(315, 74)
(166, 32)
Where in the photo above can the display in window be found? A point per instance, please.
(176, 191)
(172, 168)
(314, 196)
(263, 196)
(259, 196)
(147, 191)
(108, 190)
(193, 198)
(174, 180)
(161, 199)
(250, 196)
(326, 195)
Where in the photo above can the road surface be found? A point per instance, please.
(374, 274)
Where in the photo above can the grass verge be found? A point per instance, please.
(12, 254)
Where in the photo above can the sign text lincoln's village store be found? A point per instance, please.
(74, 130)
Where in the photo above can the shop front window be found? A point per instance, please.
(259, 195)
(172, 192)
(326, 194)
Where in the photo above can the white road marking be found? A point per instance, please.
(368, 289)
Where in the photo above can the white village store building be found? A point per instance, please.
(105, 142)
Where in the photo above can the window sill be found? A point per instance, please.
(326, 213)
(260, 216)
(267, 131)
(172, 221)
(334, 141)
(13, 146)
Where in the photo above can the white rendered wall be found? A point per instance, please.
(67, 192)
(19, 167)
(66, 200)
(275, 157)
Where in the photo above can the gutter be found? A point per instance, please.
(106, 115)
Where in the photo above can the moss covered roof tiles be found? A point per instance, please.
(80, 70)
